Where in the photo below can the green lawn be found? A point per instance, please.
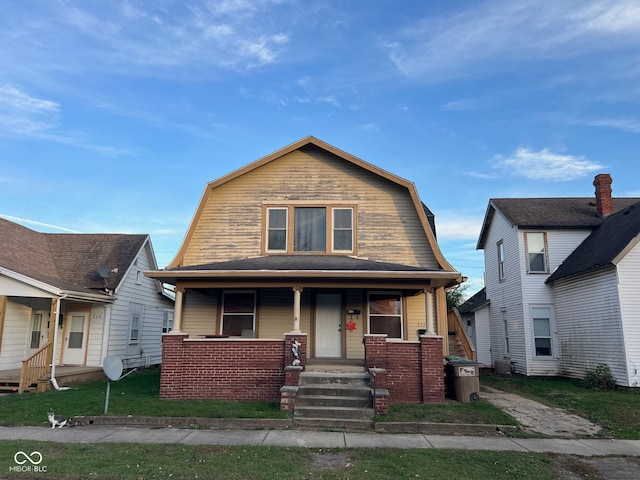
(615, 410)
(137, 461)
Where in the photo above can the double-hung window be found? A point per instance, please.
(385, 314)
(167, 320)
(505, 332)
(536, 252)
(309, 229)
(238, 312)
(135, 322)
(541, 317)
(501, 260)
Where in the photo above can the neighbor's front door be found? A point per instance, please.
(39, 331)
(329, 325)
(76, 339)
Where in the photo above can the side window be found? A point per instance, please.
(385, 314)
(277, 229)
(238, 312)
(505, 333)
(342, 230)
(167, 321)
(501, 260)
(135, 322)
(536, 252)
(541, 318)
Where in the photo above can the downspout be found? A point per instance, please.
(53, 380)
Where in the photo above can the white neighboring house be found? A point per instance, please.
(84, 292)
(562, 284)
(475, 318)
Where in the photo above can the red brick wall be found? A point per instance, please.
(414, 370)
(221, 369)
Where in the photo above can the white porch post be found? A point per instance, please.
(428, 294)
(177, 313)
(297, 290)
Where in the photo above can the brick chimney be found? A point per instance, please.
(604, 202)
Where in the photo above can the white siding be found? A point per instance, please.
(589, 324)
(560, 244)
(628, 280)
(482, 336)
(506, 294)
(17, 323)
(136, 288)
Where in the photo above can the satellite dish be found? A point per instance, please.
(104, 271)
(112, 367)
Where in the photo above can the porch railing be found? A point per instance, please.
(34, 368)
(454, 322)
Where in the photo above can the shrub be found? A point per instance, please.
(600, 378)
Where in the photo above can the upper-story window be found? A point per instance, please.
(535, 244)
(309, 229)
(500, 260)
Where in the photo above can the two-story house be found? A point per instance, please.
(307, 255)
(555, 307)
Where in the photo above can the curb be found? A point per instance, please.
(425, 428)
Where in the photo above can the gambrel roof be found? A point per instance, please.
(548, 213)
(424, 214)
(67, 262)
(604, 246)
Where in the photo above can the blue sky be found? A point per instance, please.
(115, 114)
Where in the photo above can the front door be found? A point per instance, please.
(329, 325)
(76, 339)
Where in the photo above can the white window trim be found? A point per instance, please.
(222, 313)
(400, 316)
(501, 260)
(545, 255)
(132, 314)
(552, 332)
(333, 229)
(504, 319)
(286, 230)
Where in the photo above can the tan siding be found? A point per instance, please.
(415, 316)
(276, 313)
(230, 225)
(200, 313)
(354, 345)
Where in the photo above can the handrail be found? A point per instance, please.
(454, 323)
(34, 367)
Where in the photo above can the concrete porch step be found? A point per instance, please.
(334, 401)
(335, 389)
(349, 378)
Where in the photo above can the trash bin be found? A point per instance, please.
(463, 379)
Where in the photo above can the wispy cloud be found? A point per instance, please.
(544, 165)
(497, 35)
(36, 223)
(457, 226)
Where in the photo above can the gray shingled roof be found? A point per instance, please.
(549, 213)
(603, 245)
(304, 263)
(67, 261)
(473, 302)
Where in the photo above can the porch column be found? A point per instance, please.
(297, 290)
(3, 312)
(177, 312)
(428, 294)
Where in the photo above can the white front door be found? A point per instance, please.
(76, 339)
(329, 325)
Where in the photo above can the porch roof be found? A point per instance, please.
(310, 267)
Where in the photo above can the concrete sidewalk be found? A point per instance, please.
(314, 439)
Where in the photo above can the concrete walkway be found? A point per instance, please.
(537, 418)
(314, 439)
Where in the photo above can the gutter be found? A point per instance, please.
(53, 380)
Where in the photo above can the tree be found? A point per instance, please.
(456, 297)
